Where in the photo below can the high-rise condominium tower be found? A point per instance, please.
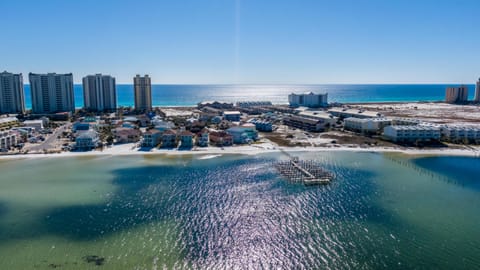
(143, 93)
(99, 92)
(477, 91)
(12, 99)
(52, 93)
(456, 94)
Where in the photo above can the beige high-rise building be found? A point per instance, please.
(456, 94)
(99, 92)
(143, 93)
(477, 91)
(52, 93)
(12, 98)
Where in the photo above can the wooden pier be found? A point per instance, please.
(307, 172)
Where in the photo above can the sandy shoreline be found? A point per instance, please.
(211, 152)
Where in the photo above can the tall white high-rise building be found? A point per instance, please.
(143, 93)
(456, 94)
(52, 93)
(308, 99)
(99, 92)
(477, 91)
(12, 97)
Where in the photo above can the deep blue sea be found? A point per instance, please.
(190, 95)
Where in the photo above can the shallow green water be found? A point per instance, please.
(150, 212)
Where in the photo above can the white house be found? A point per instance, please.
(243, 134)
(87, 140)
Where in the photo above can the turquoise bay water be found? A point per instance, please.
(143, 212)
(189, 95)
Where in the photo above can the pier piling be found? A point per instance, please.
(307, 172)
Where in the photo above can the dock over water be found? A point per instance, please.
(307, 172)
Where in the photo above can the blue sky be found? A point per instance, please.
(246, 41)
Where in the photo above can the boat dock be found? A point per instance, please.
(307, 172)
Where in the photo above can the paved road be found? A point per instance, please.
(51, 140)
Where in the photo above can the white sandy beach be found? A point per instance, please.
(440, 113)
(212, 152)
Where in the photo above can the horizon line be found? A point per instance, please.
(286, 84)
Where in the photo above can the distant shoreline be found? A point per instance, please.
(286, 104)
(172, 95)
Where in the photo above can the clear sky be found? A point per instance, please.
(245, 41)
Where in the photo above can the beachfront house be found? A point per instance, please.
(152, 138)
(126, 135)
(169, 139)
(87, 140)
(203, 138)
(186, 139)
(243, 134)
(220, 138)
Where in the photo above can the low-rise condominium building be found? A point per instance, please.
(366, 125)
(417, 133)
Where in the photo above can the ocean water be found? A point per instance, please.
(382, 211)
(190, 95)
